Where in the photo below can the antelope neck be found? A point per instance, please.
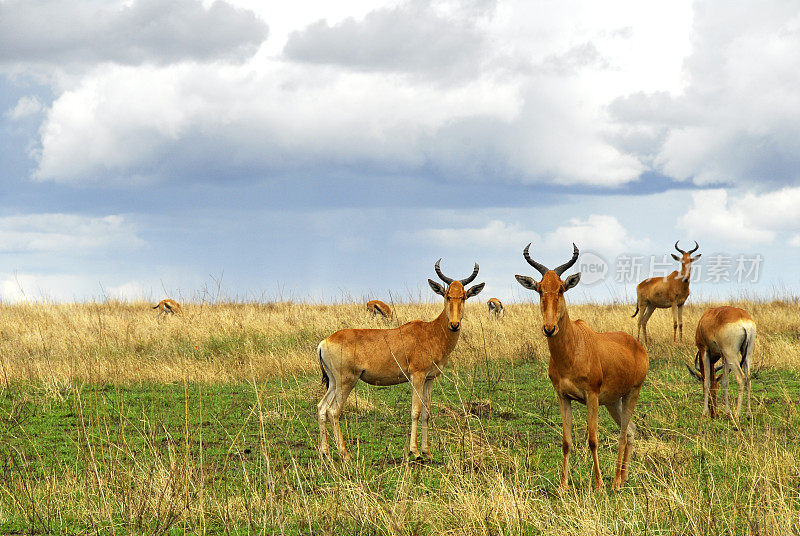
(562, 344)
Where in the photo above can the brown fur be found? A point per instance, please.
(415, 352)
(671, 291)
(495, 308)
(377, 307)
(168, 307)
(592, 368)
(724, 333)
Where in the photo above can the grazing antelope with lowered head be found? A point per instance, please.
(495, 308)
(168, 307)
(377, 307)
(724, 333)
(415, 352)
(662, 292)
(592, 368)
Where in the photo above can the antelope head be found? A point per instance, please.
(686, 258)
(455, 295)
(551, 289)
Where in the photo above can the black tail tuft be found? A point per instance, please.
(636, 312)
(743, 351)
(155, 306)
(325, 379)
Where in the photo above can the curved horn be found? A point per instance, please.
(540, 267)
(567, 265)
(679, 249)
(440, 274)
(468, 280)
(696, 247)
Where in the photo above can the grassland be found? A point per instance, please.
(111, 422)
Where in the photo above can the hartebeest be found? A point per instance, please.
(167, 307)
(724, 333)
(415, 352)
(589, 367)
(377, 307)
(669, 291)
(495, 308)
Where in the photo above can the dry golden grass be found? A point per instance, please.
(124, 343)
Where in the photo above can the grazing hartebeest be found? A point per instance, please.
(166, 307)
(592, 368)
(377, 307)
(724, 333)
(662, 292)
(415, 352)
(495, 308)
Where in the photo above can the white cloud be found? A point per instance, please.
(748, 219)
(25, 107)
(496, 235)
(523, 106)
(738, 118)
(599, 232)
(19, 287)
(135, 31)
(66, 233)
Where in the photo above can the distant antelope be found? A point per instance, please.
(662, 292)
(495, 308)
(166, 307)
(377, 307)
(724, 333)
(589, 367)
(415, 352)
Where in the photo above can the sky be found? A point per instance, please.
(331, 151)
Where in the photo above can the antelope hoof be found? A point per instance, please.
(599, 486)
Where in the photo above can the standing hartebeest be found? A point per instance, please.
(592, 368)
(495, 308)
(662, 292)
(377, 307)
(724, 333)
(166, 307)
(415, 352)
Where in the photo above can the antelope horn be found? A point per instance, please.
(696, 246)
(679, 249)
(469, 280)
(440, 274)
(540, 267)
(567, 265)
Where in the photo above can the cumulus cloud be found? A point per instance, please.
(496, 235)
(599, 232)
(746, 219)
(412, 37)
(738, 117)
(66, 233)
(25, 107)
(61, 31)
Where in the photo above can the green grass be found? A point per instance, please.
(241, 458)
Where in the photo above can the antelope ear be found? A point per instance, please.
(572, 281)
(475, 290)
(696, 257)
(528, 282)
(437, 288)
(675, 257)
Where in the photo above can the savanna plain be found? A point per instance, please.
(112, 422)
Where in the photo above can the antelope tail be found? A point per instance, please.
(637, 311)
(325, 379)
(155, 306)
(747, 348)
